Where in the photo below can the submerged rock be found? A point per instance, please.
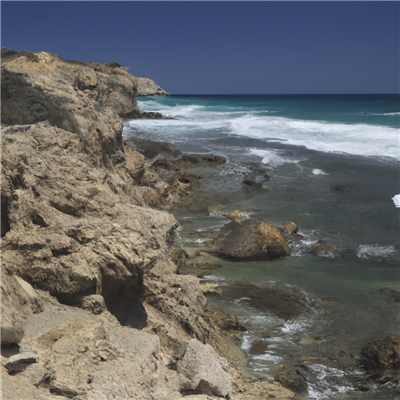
(278, 301)
(249, 240)
(382, 358)
(294, 375)
(199, 160)
(151, 149)
(239, 216)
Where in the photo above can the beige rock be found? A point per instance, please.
(147, 87)
(206, 371)
(249, 240)
(240, 216)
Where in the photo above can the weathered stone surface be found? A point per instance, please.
(239, 216)
(20, 361)
(94, 304)
(199, 160)
(151, 149)
(206, 371)
(323, 249)
(294, 376)
(86, 279)
(198, 263)
(382, 358)
(18, 299)
(249, 240)
(147, 87)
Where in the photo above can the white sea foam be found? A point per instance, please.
(357, 139)
(268, 357)
(396, 200)
(212, 278)
(273, 157)
(319, 172)
(373, 250)
(329, 384)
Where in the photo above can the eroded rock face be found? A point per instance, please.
(249, 240)
(87, 284)
(151, 149)
(147, 87)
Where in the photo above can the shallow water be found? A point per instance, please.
(333, 163)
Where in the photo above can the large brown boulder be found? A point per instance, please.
(382, 358)
(249, 240)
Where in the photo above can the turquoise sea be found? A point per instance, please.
(333, 167)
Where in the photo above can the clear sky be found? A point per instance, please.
(258, 47)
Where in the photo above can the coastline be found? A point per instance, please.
(88, 252)
(91, 304)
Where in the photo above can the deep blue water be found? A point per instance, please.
(307, 145)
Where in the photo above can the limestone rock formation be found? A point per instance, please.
(249, 240)
(151, 149)
(87, 284)
(147, 87)
(206, 372)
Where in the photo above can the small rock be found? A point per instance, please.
(94, 303)
(340, 188)
(20, 361)
(207, 372)
(240, 216)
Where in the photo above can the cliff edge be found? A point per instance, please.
(92, 307)
(147, 87)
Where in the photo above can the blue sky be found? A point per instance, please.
(222, 47)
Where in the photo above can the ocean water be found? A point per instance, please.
(333, 167)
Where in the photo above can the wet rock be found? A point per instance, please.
(340, 188)
(239, 216)
(224, 321)
(294, 376)
(151, 149)
(322, 249)
(206, 372)
(199, 264)
(199, 160)
(258, 347)
(390, 294)
(251, 185)
(137, 114)
(278, 301)
(382, 358)
(249, 240)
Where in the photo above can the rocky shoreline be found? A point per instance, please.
(97, 301)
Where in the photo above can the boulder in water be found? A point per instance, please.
(249, 240)
(382, 358)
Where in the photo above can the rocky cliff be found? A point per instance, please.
(147, 87)
(92, 307)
